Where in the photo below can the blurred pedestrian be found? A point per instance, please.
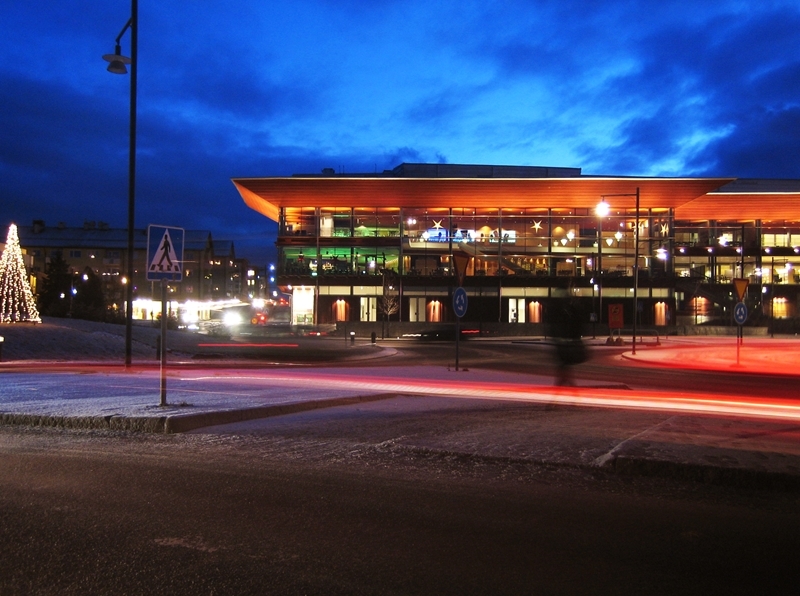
(566, 328)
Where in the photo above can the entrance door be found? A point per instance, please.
(369, 309)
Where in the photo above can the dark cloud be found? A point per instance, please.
(221, 83)
(705, 94)
(257, 89)
(764, 144)
(443, 109)
(403, 155)
(57, 151)
(67, 160)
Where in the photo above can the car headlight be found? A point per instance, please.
(232, 319)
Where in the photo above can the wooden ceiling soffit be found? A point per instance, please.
(268, 195)
(257, 202)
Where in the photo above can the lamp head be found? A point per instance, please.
(117, 61)
(602, 208)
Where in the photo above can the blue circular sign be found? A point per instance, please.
(740, 313)
(460, 302)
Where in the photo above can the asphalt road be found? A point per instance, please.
(311, 506)
(323, 503)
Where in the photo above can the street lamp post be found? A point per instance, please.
(635, 261)
(602, 210)
(116, 65)
(635, 274)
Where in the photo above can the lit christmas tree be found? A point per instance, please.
(16, 299)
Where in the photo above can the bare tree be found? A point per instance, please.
(389, 303)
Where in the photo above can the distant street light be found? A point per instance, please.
(601, 210)
(117, 65)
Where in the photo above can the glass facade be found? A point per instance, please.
(542, 249)
(538, 242)
(517, 246)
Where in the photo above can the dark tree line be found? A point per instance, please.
(65, 293)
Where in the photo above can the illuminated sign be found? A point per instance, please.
(435, 235)
(441, 235)
(507, 236)
(469, 236)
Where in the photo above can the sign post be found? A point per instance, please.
(164, 264)
(740, 312)
(460, 309)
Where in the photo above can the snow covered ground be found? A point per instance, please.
(74, 339)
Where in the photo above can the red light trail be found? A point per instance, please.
(741, 406)
(248, 345)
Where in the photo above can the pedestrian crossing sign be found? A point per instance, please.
(164, 253)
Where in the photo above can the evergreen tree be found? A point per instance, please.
(16, 299)
(55, 295)
(89, 302)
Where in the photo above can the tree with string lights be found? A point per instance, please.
(16, 299)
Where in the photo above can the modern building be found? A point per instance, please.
(394, 245)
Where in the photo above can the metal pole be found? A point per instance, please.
(401, 268)
(163, 342)
(600, 270)
(500, 265)
(318, 228)
(458, 338)
(742, 246)
(738, 343)
(134, 25)
(635, 272)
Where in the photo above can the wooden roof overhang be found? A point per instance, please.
(743, 206)
(268, 195)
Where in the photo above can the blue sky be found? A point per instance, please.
(271, 89)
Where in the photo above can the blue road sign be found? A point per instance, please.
(460, 302)
(164, 253)
(740, 313)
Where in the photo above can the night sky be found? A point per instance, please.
(275, 88)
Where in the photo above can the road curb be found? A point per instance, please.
(129, 423)
(626, 465)
(181, 422)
